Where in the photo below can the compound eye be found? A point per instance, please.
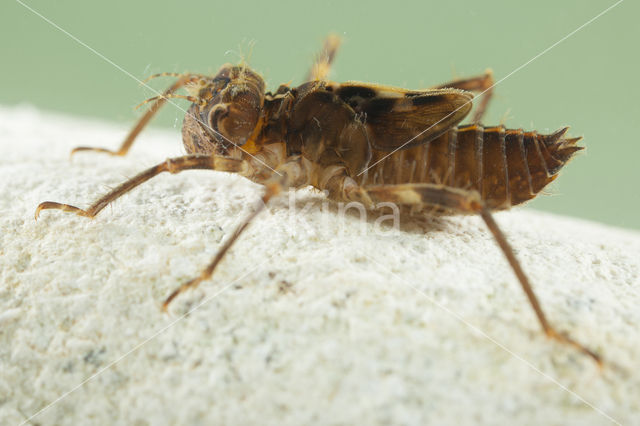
(222, 124)
(235, 120)
(216, 115)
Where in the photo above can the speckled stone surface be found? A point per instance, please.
(312, 318)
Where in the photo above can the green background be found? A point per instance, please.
(589, 81)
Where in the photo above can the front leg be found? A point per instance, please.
(464, 201)
(172, 165)
(320, 69)
(183, 80)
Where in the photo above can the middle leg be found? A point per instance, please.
(292, 173)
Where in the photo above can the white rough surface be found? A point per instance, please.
(321, 324)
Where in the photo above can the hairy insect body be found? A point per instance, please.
(358, 142)
(339, 131)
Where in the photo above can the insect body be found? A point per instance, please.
(358, 142)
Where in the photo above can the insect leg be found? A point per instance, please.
(142, 122)
(293, 173)
(465, 201)
(483, 84)
(172, 165)
(320, 69)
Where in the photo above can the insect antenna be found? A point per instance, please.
(163, 74)
(192, 99)
(186, 75)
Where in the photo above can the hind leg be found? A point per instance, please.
(482, 84)
(464, 201)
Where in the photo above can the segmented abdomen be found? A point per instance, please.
(506, 166)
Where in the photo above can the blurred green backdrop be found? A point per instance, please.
(588, 81)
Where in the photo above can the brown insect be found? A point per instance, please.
(357, 142)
